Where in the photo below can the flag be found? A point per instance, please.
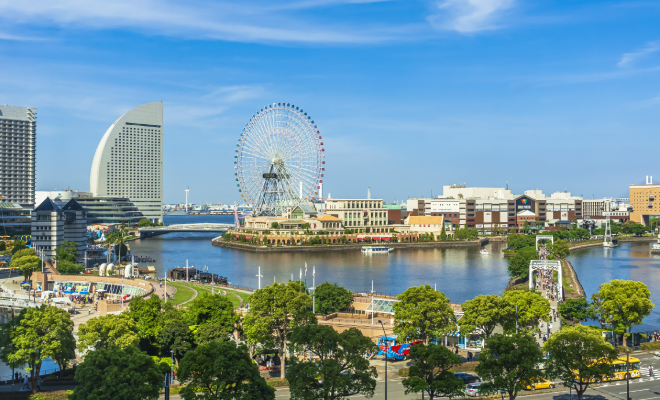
(305, 268)
(314, 271)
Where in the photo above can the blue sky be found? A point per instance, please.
(409, 95)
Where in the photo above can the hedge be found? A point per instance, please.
(650, 346)
(277, 382)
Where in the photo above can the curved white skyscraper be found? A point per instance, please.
(129, 160)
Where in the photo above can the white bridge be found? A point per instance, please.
(205, 227)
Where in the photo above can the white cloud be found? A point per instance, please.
(628, 59)
(198, 19)
(469, 16)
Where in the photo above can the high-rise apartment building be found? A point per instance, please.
(129, 160)
(18, 130)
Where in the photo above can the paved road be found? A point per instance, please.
(644, 388)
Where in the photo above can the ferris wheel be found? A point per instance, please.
(280, 160)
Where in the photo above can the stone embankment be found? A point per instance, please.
(342, 247)
(573, 281)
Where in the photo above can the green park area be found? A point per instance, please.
(184, 292)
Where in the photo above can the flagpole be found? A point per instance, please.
(314, 287)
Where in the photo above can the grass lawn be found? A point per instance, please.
(182, 294)
(201, 289)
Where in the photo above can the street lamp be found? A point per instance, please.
(172, 368)
(384, 352)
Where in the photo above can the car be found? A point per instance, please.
(467, 378)
(540, 384)
(472, 389)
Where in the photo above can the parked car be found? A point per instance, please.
(540, 384)
(472, 389)
(467, 378)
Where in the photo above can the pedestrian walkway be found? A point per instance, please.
(546, 285)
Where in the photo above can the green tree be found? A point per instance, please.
(508, 362)
(274, 312)
(519, 264)
(275, 225)
(341, 365)
(66, 267)
(443, 234)
(176, 336)
(532, 309)
(526, 227)
(68, 251)
(223, 371)
(422, 313)
(580, 351)
(3, 246)
(144, 223)
(210, 332)
(115, 373)
(212, 309)
(575, 310)
(484, 312)
(638, 229)
(431, 372)
(118, 238)
(626, 228)
(40, 333)
(332, 298)
(560, 249)
(25, 252)
(18, 246)
(110, 330)
(146, 314)
(627, 302)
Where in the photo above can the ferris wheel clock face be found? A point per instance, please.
(280, 160)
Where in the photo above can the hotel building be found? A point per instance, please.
(129, 160)
(18, 132)
(645, 201)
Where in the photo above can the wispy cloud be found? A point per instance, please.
(469, 16)
(19, 38)
(199, 19)
(628, 59)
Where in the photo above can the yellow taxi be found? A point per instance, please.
(540, 384)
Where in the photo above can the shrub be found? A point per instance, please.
(466, 366)
(277, 382)
(403, 372)
(650, 346)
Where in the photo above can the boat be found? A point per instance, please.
(176, 213)
(376, 249)
(484, 252)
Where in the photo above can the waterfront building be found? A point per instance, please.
(108, 210)
(18, 136)
(14, 219)
(52, 225)
(418, 224)
(128, 162)
(396, 213)
(645, 201)
(363, 215)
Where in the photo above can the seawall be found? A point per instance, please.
(342, 247)
(571, 276)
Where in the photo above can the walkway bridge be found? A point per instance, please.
(205, 227)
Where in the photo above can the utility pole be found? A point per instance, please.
(385, 352)
(516, 319)
(314, 288)
(186, 260)
(166, 286)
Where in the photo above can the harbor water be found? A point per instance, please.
(461, 273)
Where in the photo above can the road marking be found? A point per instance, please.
(640, 390)
(649, 398)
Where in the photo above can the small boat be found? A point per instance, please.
(376, 249)
(610, 244)
(484, 252)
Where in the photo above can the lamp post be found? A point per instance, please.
(385, 352)
(172, 368)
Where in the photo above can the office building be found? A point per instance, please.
(100, 210)
(645, 201)
(363, 215)
(52, 225)
(14, 219)
(129, 160)
(18, 132)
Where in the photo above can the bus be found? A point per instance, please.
(618, 368)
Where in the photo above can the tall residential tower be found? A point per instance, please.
(129, 160)
(18, 131)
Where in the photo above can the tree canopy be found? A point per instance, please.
(575, 310)
(341, 366)
(532, 308)
(146, 314)
(223, 371)
(115, 373)
(38, 334)
(26, 261)
(176, 336)
(560, 249)
(519, 264)
(332, 298)
(66, 267)
(274, 312)
(508, 362)
(111, 330)
(626, 302)
(581, 351)
(484, 312)
(212, 309)
(68, 251)
(422, 313)
(431, 372)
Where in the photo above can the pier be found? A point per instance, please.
(205, 227)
